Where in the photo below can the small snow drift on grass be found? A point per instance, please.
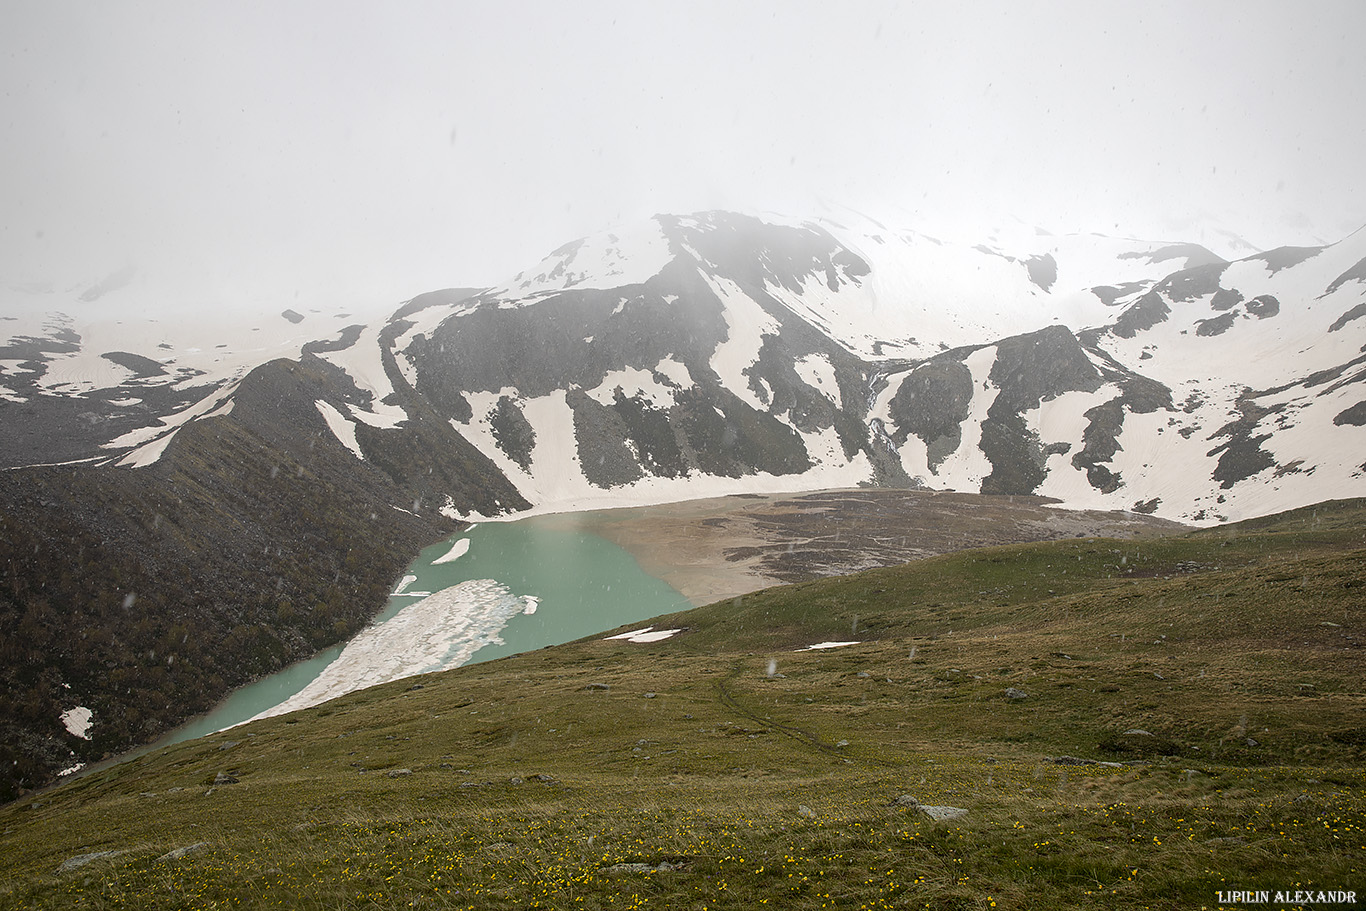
(648, 634)
(820, 645)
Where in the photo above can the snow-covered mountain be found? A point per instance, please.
(689, 356)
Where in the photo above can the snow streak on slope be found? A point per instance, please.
(363, 362)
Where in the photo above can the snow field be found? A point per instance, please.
(611, 259)
(341, 428)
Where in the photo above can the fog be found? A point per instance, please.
(329, 153)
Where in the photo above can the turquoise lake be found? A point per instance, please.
(583, 583)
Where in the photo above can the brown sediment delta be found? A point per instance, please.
(722, 547)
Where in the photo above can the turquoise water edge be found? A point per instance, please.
(581, 582)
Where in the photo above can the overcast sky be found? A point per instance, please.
(334, 151)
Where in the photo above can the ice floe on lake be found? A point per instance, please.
(441, 631)
(458, 550)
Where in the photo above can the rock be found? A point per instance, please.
(805, 811)
(178, 853)
(906, 800)
(228, 745)
(940, 814)
(515, 779)
(399, 773)
(1012, 693)
(598, 686)
(80, 860)
(664, 867)
(1140, 733)
(648, 696)
(223, 778)
(842, 743)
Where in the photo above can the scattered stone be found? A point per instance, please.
(1077, 760)
(906, 800)
(80, 860)
(228, 745)
(223, 778)
(663, 867)
(515, 779)
(1138, 732)
(940, 814)
(863, 674)
(1012, 693)
(805, 811)
(544, 777)
(399, 773)
(598, 686)
(178, 853)
(1252, 743)
(842, 743)
(648, 696)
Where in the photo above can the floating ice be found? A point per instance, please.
(439, 632)
(458, 550)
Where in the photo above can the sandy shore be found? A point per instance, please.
(727, 546)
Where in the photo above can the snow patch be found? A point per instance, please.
(612, 259)
(151, 442)
(825, 645)
(77, 721)
(648, 634)
(747, 323)
(341, 428)
(817, 372)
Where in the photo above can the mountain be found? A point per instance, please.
(687, 356)
(720, 352)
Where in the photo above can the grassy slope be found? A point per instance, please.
(1238, 649)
